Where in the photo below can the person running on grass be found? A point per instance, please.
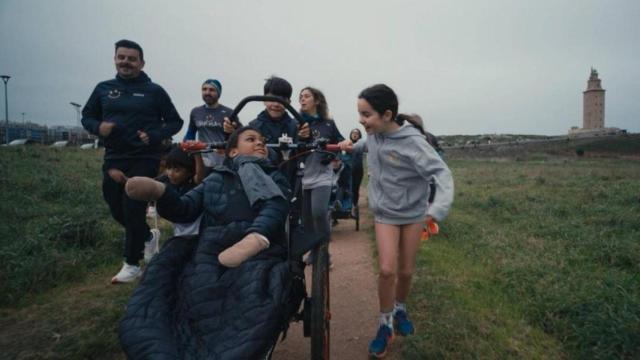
(400, 165)
(134, 117)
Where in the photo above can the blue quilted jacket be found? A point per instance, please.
(187, 305)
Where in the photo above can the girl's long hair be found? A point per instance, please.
(413, 119)
(321, 107)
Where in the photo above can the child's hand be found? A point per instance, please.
(117, 176)
(144, 189)
(345, 145)
(304, 131)
(249, 246)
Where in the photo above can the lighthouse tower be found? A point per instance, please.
(593, 103)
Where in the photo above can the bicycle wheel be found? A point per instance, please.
(320, 311)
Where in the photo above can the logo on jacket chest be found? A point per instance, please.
(393, 157)
(114, 94)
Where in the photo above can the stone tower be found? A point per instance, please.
(593, 103)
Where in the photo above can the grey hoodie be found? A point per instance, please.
(400, 166)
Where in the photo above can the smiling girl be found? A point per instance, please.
(400, 165)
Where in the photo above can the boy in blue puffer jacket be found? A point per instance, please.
(195, 296)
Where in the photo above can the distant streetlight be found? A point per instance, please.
(24, 127)
(78, 112)
(6, 78)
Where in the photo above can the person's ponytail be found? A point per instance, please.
(413, 119)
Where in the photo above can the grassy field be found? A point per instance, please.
(58, 244)
(538, 259)
(57, 228)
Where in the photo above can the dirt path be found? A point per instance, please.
(354, 300)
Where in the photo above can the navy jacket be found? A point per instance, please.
(222, 201)
(272, 130)
(323, 128)
(133, 105)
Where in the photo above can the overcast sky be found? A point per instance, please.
(468, 67)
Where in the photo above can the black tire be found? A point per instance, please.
(320, 310)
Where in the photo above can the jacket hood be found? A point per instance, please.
(404, 131)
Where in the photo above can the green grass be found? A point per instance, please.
(59, 246)
(538, 259)
(78, 320)
(55, 224)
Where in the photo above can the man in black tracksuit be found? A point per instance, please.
(133, 117)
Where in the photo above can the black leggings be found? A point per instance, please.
(131, 214)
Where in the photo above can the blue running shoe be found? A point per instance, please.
(378, 346)
(402, 324)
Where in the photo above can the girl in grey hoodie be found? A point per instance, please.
(401, 165)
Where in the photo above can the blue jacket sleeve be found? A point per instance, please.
(192, 130)
(172, 121)
(92, 113)
(273, 212)
(181, 209)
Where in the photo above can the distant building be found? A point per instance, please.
(593, 110)
(29, 131)
(35, 133)
(73, 134)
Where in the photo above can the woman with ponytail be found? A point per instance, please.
(318, 172)
(400, 165)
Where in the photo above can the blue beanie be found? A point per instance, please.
(215, 83)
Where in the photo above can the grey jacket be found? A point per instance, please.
(400, 166)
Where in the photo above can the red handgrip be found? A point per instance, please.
(336, 148)
(193, 145)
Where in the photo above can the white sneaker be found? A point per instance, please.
(127, 274)
(151, 247)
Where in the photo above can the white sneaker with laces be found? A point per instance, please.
(151, 247)
(127, 274)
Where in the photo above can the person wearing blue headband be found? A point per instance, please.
(208, 121)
